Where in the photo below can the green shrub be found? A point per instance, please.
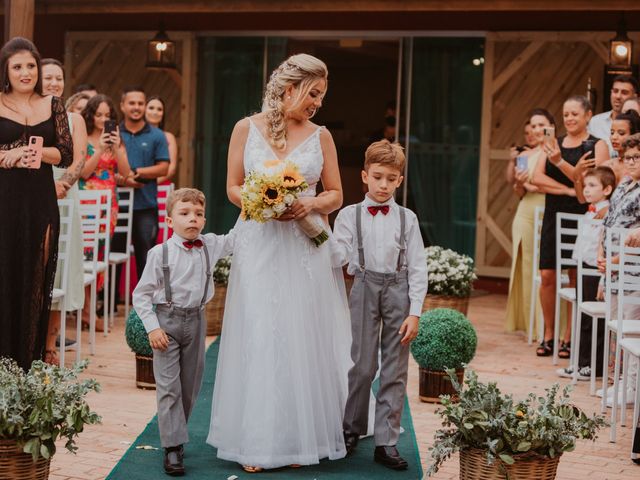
(446, 339)
(136, 335)
(221, 271)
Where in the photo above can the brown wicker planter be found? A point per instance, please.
(144, 373)
(17, 465)
(473, 466)
(445, 301)
(434, 383)
(215, 310)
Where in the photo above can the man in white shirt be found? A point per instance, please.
(177, 281)
(381, 242)
(623, 88)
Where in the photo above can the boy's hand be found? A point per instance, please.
(158, 339)
(409, 329)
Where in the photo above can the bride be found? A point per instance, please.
(281, 380)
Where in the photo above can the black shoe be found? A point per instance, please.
(68, 344)
(351, 442)
(173, 464)
(390, 458)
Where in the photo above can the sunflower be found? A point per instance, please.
(271, 195)
(272, 163)
(291, 178)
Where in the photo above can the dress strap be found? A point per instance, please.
(207, 278)
(165, 272)
(359, 235)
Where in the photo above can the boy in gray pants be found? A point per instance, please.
(382, 245)
(177, 282)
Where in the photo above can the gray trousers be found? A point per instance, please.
(379, 303)
(178, 370)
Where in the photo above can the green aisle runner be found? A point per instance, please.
(201, 461)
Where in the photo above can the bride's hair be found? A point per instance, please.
(301, 71)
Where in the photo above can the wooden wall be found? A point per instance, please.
(524, 71)
(113, 60)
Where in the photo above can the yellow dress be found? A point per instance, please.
(519, 302)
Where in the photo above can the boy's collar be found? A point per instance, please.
(601, 204)
(179, 241)
(368, 201)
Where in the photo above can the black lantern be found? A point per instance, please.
(620, 47)
(161, 51)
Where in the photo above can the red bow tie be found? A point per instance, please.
(189, 244)
(592, 208)
(374, 209)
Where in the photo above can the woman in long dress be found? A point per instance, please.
(29, 228)
(281, 381)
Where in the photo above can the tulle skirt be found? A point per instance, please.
(281, 381)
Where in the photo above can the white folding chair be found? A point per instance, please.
(535, 276)
(162, 210)
(64, 247)
(90, 226)
(103, 199)
(125, 216)
(628, 287)
(595, 309)
(564, 227)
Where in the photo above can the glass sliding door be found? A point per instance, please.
(444, 79)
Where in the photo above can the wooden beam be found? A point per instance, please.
(489, 271)
(485, 146)
(174, 75)
(601, 50)
(243, 6)
(499, 235)
(516, 64)
(18, 18)
(88, 61)
(188, 108)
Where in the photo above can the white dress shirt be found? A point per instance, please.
(381, 242)
(589, 236)
(187, 272)
(600, 127)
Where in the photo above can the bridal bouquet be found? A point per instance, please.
(272, 188)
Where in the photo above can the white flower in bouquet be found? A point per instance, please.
(279, 208)
(289, 199)
(450, 273)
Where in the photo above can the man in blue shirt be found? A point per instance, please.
(148, 156)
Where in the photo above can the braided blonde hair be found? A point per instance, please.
(301, 71)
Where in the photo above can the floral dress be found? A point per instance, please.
(103, 178)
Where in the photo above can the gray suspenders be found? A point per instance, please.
(403, 244)
(165, 272)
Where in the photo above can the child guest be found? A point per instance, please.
(599, 183)
(177, 282)
(381, 242)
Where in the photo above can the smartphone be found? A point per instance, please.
(589, 145)
(110, 126)
(522, 163)
(549, 133)
(35, 146)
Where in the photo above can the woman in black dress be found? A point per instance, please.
(29, 217)
(567, 159)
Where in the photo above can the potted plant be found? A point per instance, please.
(138, 341)
(215, 308)
(451, 277)
(501, 438)
(37, 408)
(446, 339)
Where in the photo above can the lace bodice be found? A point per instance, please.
(307, 155)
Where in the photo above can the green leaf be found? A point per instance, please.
(508, 459)
(524, 446)
(468, 426)
(44, 451)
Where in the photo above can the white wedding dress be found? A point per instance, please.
(281, 380)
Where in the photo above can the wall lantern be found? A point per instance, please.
(161, 51)
(620, 47)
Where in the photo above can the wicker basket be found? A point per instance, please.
(17, 465)
(215, 311)
(434, 383)
(473, 466)
(144, 373)
(445, 301)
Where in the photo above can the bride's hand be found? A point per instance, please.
(302, 207)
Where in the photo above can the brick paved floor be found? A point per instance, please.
(505, 358)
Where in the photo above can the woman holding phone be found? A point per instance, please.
(29, 219)
(106, 157)
(566, 159)
(531, 197)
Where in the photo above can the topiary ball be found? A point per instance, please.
(446, 339)
(136, 335)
